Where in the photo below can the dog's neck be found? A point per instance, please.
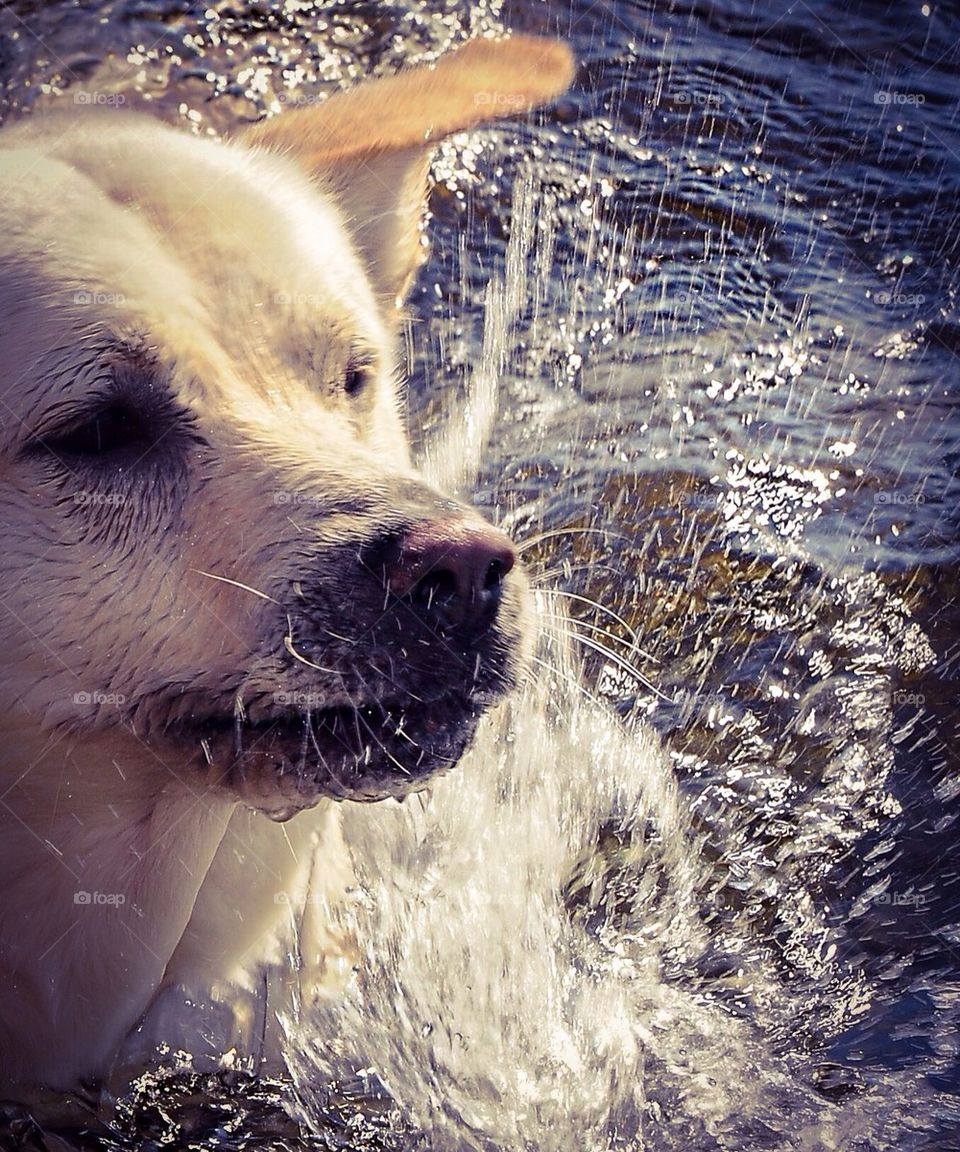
(126, 842)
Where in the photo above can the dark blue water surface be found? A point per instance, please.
(738, 369)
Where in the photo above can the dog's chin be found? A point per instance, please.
(287, 762)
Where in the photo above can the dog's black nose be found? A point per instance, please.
(452, 570)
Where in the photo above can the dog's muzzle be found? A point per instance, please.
(393, 649)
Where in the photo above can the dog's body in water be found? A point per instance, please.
(228, 596)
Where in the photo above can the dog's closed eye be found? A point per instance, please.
(116, 434)
(115, 427)
(127, 415)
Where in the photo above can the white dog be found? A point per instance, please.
(226, 595)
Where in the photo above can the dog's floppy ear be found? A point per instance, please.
(371, 145)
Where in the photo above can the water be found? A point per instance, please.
(698, 888)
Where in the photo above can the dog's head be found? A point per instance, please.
(219, 565)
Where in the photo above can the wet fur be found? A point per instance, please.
(175, 622)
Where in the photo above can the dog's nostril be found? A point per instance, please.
(495, 574)
(451, 569)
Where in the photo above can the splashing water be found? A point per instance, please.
(513, 927)
(519, 936)
(494, 996)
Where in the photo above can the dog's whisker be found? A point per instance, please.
(599, 607)
(544, 580)
(389, 678)
(357, 732)
(288, 644)
(554, 533)
(335, 777)
(624, 665)
(307, 735)
(611, 638)
(545, 672)
(235, 583)
(383, 748)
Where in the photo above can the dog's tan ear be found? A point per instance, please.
(371, 145)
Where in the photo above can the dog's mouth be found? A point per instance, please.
(285, 761)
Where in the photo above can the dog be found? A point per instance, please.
(228, 599)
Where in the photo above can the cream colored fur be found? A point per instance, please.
(240, 279)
